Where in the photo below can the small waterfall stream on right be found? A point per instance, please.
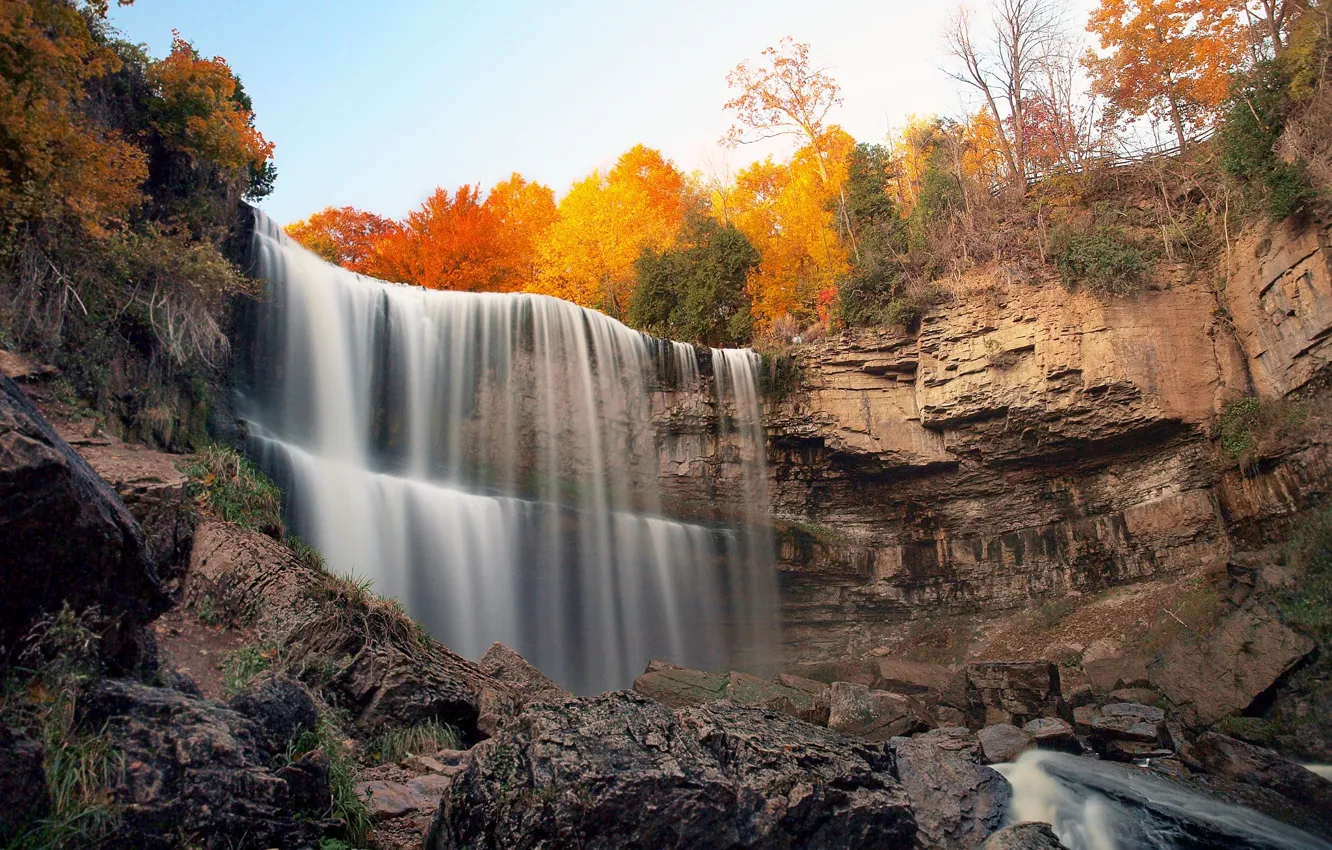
(1098, 805)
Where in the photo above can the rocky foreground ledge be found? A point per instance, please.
(831, 756)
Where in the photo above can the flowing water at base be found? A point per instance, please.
(492, 461)
(1096, 805)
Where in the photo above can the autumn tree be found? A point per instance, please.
(344, 236)
(523, 212)
(786, 95)
(203, 113)
(55, 160)
(603, 224)
(1172, 59)
(790, 213)
(449, 242)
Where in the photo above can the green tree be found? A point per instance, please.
(696, 290)
(865, 293)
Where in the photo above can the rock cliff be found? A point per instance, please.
(1024, 442)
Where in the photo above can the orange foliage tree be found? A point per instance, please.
(54, 161)
(202, 111)
(343, 235)
(789, 212)
(605, 222)
(447, 243)
(1168, 58)
(523, 212)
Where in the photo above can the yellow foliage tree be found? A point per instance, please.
(789, 212)
(602, 226)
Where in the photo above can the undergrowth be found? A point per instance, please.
(1249, 427)
(343, 775)
(1103, 260)
(240, 667)
(60, 657)
(229, 486)
(1309, 551)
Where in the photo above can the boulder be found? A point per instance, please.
(1083, 716)
(66, 538)
(381, 668)
(911, 677)
(1012, 692)
(623, 770)
(527, 682)
(23, 796)
(1114, 672)
(1053, 733)
(874, 715)
(858, 671)
(308, 782)
(157, 493)
(957, 802)
(23, 370)
(389, 800)
(1031, 835)
(1125, 731)
(1145, 696)
(280, 705)
(197, 771)
(1222, 756)
(1208, 677)
(1004, 742)
(679, 687)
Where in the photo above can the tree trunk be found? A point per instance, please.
(1177, 122)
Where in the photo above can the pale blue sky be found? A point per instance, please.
(375, 103)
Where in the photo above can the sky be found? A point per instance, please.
(374, 104)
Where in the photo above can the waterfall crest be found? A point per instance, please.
(491, 460)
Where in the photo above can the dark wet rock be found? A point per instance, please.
(380, 666)
(178, 681)
(1012, 692)
(1211, 676)
(308, 787)
(194, 771)
(528, 683)
(874, 715)
(66, 537)
(1053, 733)
(623, 770)
(1079, 696)
(1125, 731)
(1227, 757)
(1083, 716)
(23, 796)
(1024, 836)
(281, 705)
(957, 802)
(1004, 742)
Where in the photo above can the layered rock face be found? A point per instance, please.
(1026, 442)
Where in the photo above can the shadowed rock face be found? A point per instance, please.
(957, 801)
(621, 770)
(65, 537)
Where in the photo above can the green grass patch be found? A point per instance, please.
(239, 668)
(230, 487)
(1103, 261)
(1053, 613)
(1309, 550)
(421, 739)
(1249, 427)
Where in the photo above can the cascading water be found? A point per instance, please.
(1096, 805)
(490, 459)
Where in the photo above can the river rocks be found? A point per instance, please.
(678, 687)
(912, 677)
(280, 705)
(380, 666)
(528, 683)
(874, 715)
(1223, 756)
(1024, 836)
(66, 538)
(957, 802)
(196, 771)
(1003, 742)
(1053, 733)
(23, 795)
(1207, 677)
(307, 779)
(622, 770)
(1127, 731)
(1012, 691)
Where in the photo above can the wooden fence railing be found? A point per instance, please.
(1109, 160)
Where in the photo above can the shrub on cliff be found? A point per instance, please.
(1102, 260)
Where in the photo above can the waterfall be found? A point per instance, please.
(1097, 805)
(491, 460)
